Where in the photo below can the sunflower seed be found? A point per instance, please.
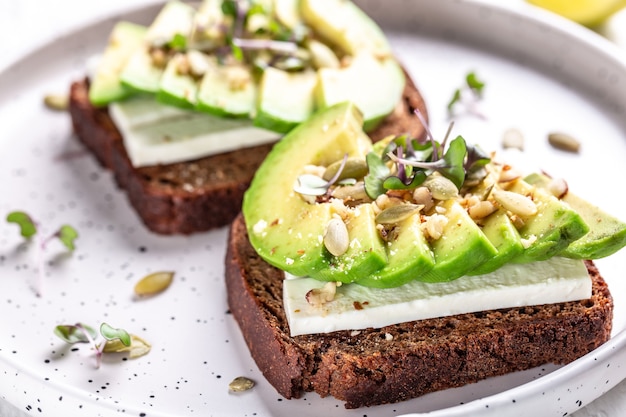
(513, 138)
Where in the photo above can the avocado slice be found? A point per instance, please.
(374, 85)
(409, 256)
(286, 230)
(462, 247)
(227, 90)
(503, 235)
(176, 88)
(552, 229)
(285, 99)
(607, 234)
(140, 74)
(105, 86)
(345, 25)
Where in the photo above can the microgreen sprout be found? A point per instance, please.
(82, 333)
(412, 162)
(66, 234)
(468, 96)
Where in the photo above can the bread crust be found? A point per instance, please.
(365, 368)
(199, 195)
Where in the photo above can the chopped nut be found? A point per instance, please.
(564, 142)
(513, 138)
(434, 225)
(423, 196)
(481, 209)
(238, 78)
(558, 187)
(388, 336)
(320, 296)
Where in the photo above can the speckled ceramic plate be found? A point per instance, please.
(543, 74)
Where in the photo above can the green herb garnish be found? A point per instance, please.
(468, 96)
(66, 234)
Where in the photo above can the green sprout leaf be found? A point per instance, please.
(111, 333)
(75, 333)
(456, 97)
(474, 83)
(178, 42)
(455, 158)
(378, 172)
(28, 228)
(67, 235)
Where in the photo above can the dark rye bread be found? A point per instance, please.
(366, 368)
(203, 194)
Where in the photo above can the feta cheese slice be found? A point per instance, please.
(357, 307)
(155, 133)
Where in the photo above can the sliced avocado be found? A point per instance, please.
(105, 86)
(227, 90)
(553, 228)
(177, 88)
(345, 25)
(172, 26)
(504, 237)
(607, 234)
(286, 230)
(409, 256)
(140, 73)
(374, 85)
(285, 99)
(462, 247)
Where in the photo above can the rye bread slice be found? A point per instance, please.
(203, 194)
(370, 367)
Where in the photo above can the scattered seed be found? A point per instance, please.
(336, 238)
(354, 168)
(564, 142)
(440, 187)
(240, 384)
(481, 209)
(354, 192)
(58, 102)
(154, 283)
(138, 347)
(516, 203)
(513, 138)
(396, 214)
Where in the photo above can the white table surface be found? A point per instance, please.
(25, 24)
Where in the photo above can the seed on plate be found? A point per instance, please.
(336, 238)
(138, 347)
(240, 384)
(564, 142)
(154, 283)
(513, 138)
(57, 102)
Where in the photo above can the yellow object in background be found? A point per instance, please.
(586, 12)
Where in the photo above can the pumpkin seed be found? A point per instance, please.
(396, 214)
(138, 347)
(354, 192)
(57, 102)
(354, 168)
(564, 142)
(336, 238)
(154, 283)
(440, 187)
(240, 384)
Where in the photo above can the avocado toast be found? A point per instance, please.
(472, 218)
(211, 89)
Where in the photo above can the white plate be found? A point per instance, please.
(542, 74)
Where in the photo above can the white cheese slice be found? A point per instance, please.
(155, 133)
(357, 307)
